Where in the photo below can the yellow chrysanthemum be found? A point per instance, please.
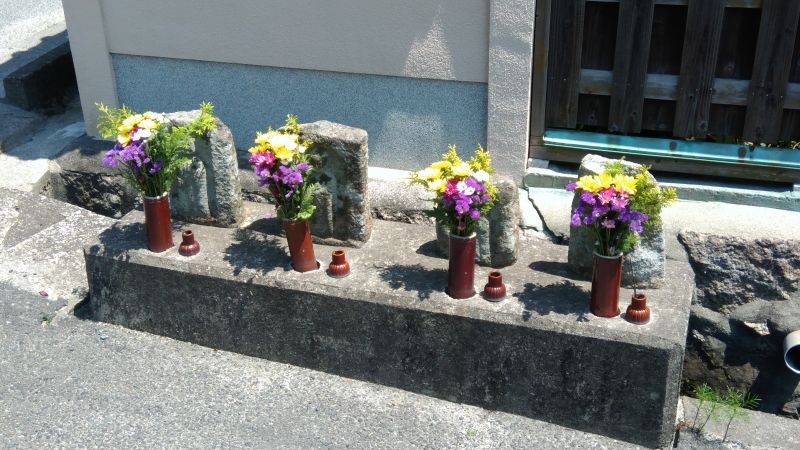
(258, 149)
(284, 154)
(596, 183)
(262, 139)
(437, 186)
(287, 141)
(442, 165)
(625, 183)
(462, 170)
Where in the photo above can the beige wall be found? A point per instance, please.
(437, 39)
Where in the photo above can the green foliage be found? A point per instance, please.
(110, 119)
(734, 403)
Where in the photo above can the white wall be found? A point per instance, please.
(439, 39)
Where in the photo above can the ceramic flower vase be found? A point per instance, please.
(495, 290)
(301, 249)
(606, 277)
(461, 269)
(339, 267)
(158, 223)
(189, 245)
(638, 312)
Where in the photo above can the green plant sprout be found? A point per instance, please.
(731, 405)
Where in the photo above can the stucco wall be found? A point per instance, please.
(441, 39)
(410, 121)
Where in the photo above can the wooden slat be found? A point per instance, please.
(631, 54)
(665, 87)
(539, 80)
(771, 69)
(698, 65)
(728, 3)
(563, 73)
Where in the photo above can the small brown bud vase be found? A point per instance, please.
(637, 311)
(339, 267)
(189, 245)
(495, 290)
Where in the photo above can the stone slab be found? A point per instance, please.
(539, 353)
(758, 430)
(15, 125)
(45, 83)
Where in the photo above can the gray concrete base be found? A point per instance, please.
(538, 354)
(689, 188)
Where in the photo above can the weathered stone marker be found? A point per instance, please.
(208, 191)
(498, 233)
(340, 158)
(643, 266)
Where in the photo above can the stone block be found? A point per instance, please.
(498, 233)
(340, 156)
(45, 83)
(643, 266)
(539, 354)
(208, 190)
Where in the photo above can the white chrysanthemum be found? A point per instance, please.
(287, 141)
(429, 173)
(482, 176)
(464, 188)
(462, 170)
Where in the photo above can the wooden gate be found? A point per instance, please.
(716, 70)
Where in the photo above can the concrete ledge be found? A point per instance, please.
(538, 354)
(689, 188)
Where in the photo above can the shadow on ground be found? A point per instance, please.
(415, 278)
(564, 298)
(253, 248)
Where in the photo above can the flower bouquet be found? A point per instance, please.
(463, 193)
(279, 160)
(149, 151)
(616, 208)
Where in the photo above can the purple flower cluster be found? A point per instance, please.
(133, 156)
(608, 209)
(466, 198)
(282, 179)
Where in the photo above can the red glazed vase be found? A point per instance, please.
(189, 245)
(301, 249)
(158, 223)
(461, 269)
(339, 267)
(495, 290)
(606, 277)
(637, 311)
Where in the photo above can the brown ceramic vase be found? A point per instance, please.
(339, 267)
(461, 269)
(158, 223)
(606, 277)
(189, 245)
(638, 312)
(495, 290)
(301, 249)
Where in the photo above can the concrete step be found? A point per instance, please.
(41, 243)
(539, 353)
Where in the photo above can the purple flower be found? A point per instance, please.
(110, 158)
(576, 217)
(588, 197)
(155, 167)
(474, 214)
(608, 223)
(303, 166)
(571, 186)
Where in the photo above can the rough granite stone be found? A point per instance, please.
(498, 234)
(78, 177)
(747, 300)
(208, 191)
(643, 266)
(340, 157)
